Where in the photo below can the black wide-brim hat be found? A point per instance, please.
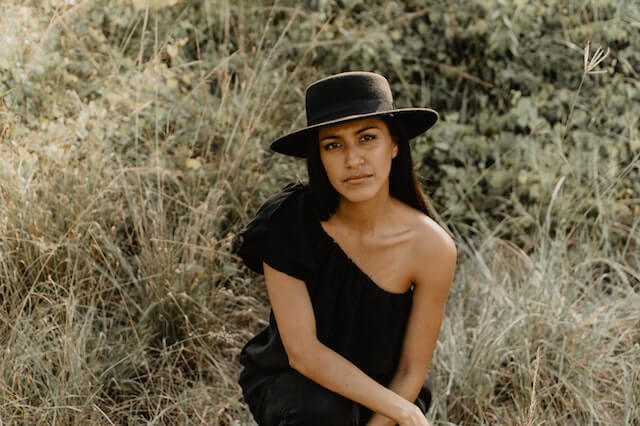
(351, 96)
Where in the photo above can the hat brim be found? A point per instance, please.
(414, 121)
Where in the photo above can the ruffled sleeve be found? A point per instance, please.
(279, 234)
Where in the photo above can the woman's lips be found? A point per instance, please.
(357, 178)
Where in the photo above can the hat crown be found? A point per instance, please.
(347, 94)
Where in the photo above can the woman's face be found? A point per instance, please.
(357, 157)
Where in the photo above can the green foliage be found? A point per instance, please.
(132, 151)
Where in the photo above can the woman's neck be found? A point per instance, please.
(365, 217)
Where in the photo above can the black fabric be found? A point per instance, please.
(278, 235)
(354, 316)
(293, 399)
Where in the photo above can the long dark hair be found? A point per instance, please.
(403, 181)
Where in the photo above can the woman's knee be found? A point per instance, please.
(296, 400)
(322, 409)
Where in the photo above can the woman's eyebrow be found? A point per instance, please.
(329, 137)
(365, 129)
(357, 132)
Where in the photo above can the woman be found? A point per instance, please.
(357, 274)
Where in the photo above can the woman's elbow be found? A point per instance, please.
(297, 363)
(302, 356)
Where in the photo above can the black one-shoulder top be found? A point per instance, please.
(354, 316)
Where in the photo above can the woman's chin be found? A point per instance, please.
(358, 193)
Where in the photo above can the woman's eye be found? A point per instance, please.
(367, 138)
(331, 145)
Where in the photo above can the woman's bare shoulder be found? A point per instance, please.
(432, 247)
(428, 235)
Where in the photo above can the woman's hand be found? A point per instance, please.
(412, 417)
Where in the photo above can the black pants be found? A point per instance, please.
(293, 399)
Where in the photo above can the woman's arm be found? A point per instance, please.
(435, 262)
(296, 322)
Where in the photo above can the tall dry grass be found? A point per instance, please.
(123, 182)
(121, 298)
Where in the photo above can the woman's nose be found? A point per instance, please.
(354, 157)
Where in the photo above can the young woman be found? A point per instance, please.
(357, 274)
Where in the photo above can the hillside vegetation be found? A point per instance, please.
(133, 139)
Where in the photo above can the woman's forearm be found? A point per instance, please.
(329, 369)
